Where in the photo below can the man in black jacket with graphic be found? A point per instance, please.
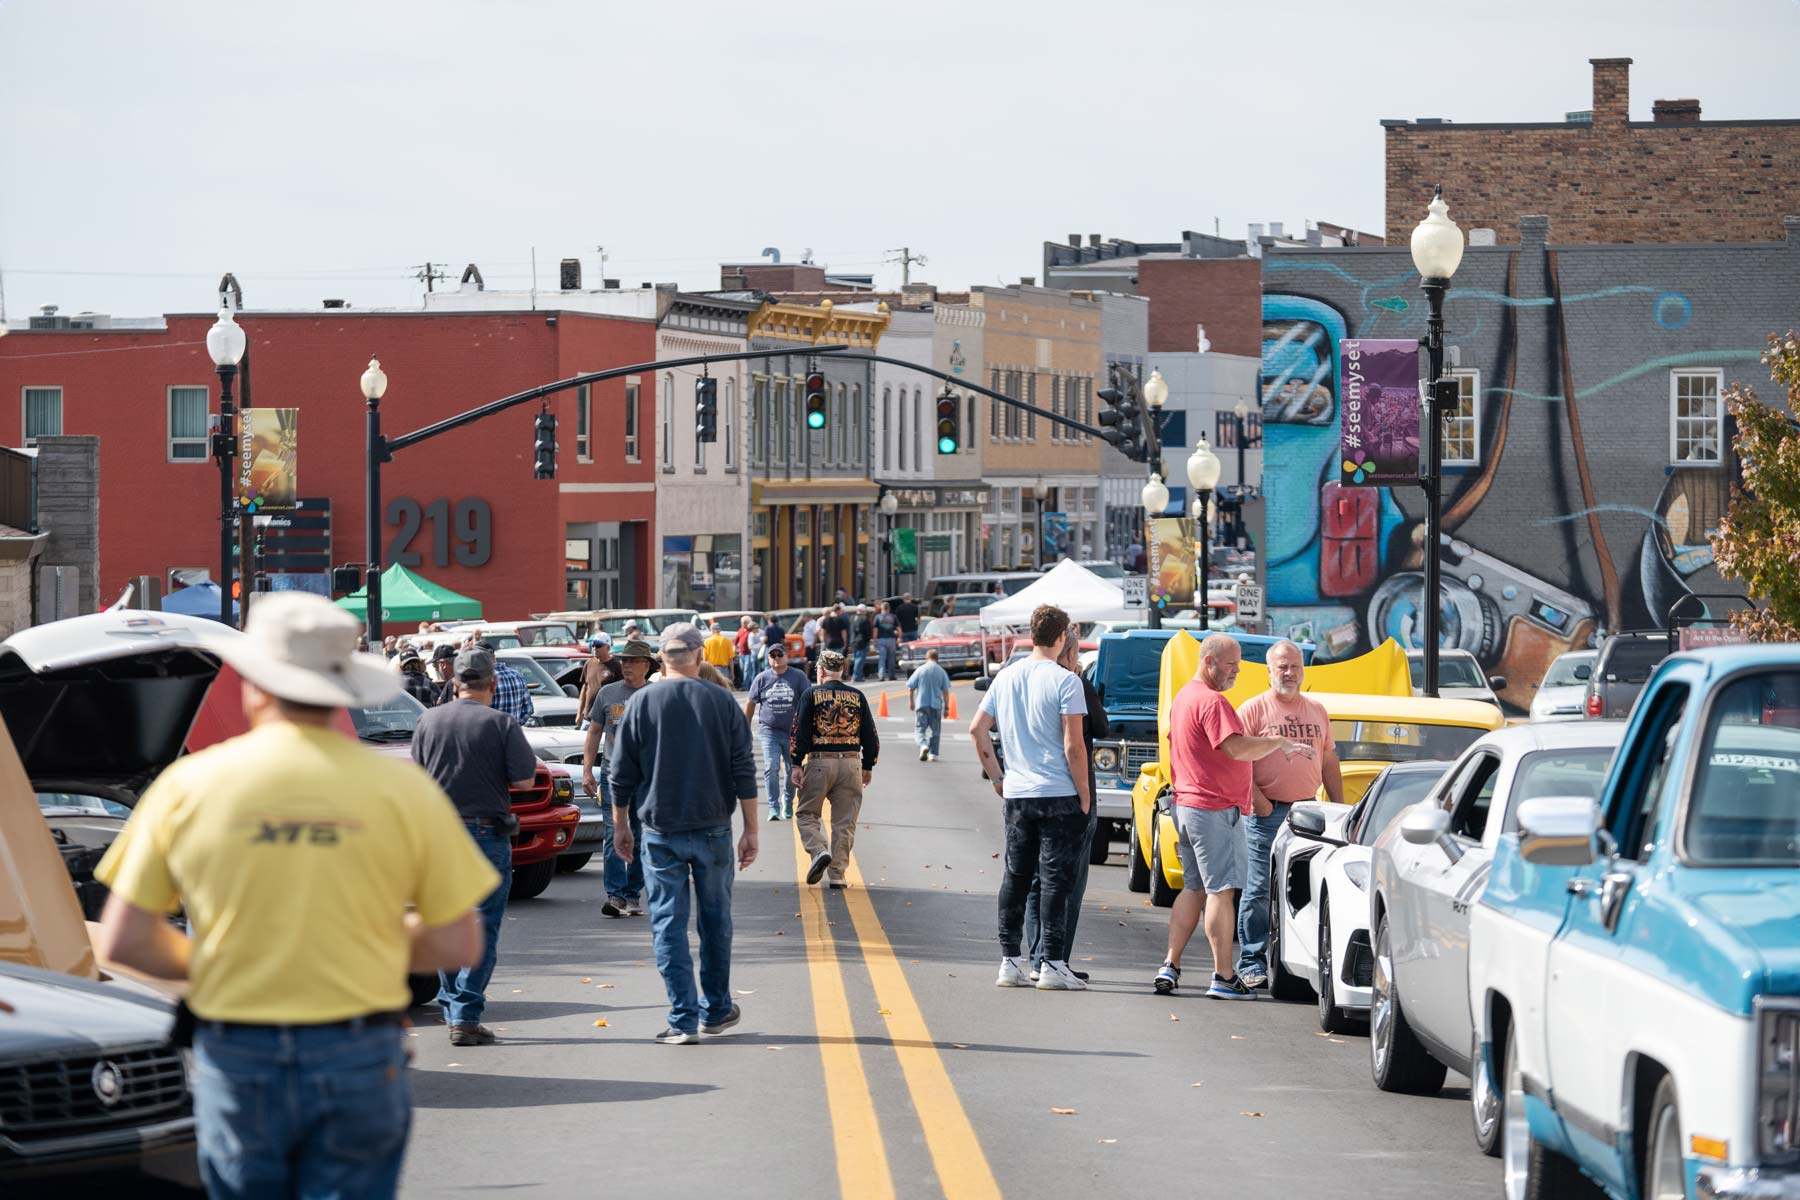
(834, 746)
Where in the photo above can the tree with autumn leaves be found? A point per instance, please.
(1758, 542)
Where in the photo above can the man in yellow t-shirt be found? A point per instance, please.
(296, 854)
(719, 650)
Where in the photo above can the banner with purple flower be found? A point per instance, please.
(1380, 431)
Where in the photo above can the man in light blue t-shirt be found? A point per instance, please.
(925, 692)
(1037, 707)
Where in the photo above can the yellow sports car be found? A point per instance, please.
(1371, 732)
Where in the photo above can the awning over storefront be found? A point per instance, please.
(813, 491)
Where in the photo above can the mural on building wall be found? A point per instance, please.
(1533, 563)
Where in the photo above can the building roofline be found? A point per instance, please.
(1452, 126)
(258, 314)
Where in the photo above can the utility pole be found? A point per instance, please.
(906, 259)
(601, 251)
(429, 273)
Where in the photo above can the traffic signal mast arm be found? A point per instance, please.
(1041, 413)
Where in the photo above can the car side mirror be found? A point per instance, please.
(982, 683)
(1559, 831)
(1309, 823)
(1584, 672)
(1497, 682)
(571, 691)
(1429, 825)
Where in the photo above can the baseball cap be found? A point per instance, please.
(444, 650)
(831, 660)
(683, 635)
(409, 655)
(778, 648)
(474, 664)
(600, 638)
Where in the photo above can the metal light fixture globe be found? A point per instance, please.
(1155, 497)
(1156, 390)
(225, 341)
(374, 381)
(1040, 490)
(1241, 409)
(1203, 467)
(889, 504)
(1437, 242)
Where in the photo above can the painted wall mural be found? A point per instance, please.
(1593, 465)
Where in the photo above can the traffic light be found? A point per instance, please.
(815, 400)
(949, 426)
(544, 447)
(1122, 420)
(706, 409)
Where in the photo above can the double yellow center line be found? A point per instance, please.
(863, 1171)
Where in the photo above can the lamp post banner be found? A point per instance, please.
(1380, 431)
(905, 550)
(1171, 545)
(266, 475)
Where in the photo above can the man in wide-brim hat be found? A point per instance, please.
(624, 881)
(297, 1038)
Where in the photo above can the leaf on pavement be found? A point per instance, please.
(995, 854)
(1249, 1114)
(587, 981)
(516, 991)
(1173, 1017)
(958, 1046)
(1201, 1084)
(604, 986)
(886, 1012)
(1237, 1037)
(781, 933)
(1109, 1141)
(453, 1064)
(1063, 1112)
(1337, 1041)
(773, 1047)
(746, 991)
(600, 1024)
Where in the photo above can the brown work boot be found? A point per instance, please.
(471, 1035)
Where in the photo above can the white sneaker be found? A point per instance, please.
(923, 753)
(1056, 977)
(934, 758)
(1013, 973)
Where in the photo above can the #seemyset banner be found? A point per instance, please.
(1170, 541)
(268, 459)
(1380, 427)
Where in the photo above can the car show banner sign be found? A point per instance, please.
(267, 474)
(1380, 428)
(1171, 543)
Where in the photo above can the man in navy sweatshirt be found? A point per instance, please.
(681, 756)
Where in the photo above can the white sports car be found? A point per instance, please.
(1319, 895)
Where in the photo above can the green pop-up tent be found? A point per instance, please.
(409, 597)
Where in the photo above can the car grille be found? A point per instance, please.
(57, 1097)
(557, 720)
(1137, 755)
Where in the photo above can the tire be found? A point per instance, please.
(1161, 894)
(1487, 1103)
(1662, 1174)
(568, 864)
(1396, 1059)
(424, 989)
(1137, 878)
(1283, 983)
(1102, 844)
(1332, 1019)
(530, 880)
(1530, 1170)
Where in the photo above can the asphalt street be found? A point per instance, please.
(876, 1057)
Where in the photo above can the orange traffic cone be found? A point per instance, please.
(950, 706)
(881, 706)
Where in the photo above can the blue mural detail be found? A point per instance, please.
(1673, 310)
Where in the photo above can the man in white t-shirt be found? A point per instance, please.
(1037, 707)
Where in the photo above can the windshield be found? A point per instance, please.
(1399, 741)
(537, 680)
(615, 626)
(1398, 790)
(1014, 584)
(547, 635)
(1562, 671)
(65, 802)
(952, 627)
(1106, 570)
(1632, 659)
(501, 641)
(1578, 771)
(1453, 671)
(390, 721)
(1745, 806)
(1130, 669)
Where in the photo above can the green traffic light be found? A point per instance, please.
(946, 445)
(815, 420)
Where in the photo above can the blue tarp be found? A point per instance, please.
(196, 600)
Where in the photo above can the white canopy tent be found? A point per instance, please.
(1070, 586)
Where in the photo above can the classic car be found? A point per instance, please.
(1430, 866)
(550, 701)
(963, 645)
(1319, 894)
(1634, 962)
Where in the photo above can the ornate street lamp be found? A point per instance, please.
(1241, 410)
(888, 506)
(1203, 476)
(374, 386)
(225, 342)
(1437, 250)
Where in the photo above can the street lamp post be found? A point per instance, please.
(1241, 410)
(1040, 491)
(225, 342)
(1203, 477)
(1156, 394)
(1437, 250)
(374, 386)
(1156, 502)
(889, 506)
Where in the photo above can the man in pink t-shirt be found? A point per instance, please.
(1278, 783)
(1210, 756)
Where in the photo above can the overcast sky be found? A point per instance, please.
(324, 148)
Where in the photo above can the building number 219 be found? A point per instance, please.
(473, 528)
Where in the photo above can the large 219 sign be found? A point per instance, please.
(470, 527)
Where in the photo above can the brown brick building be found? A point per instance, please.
(1605, 178)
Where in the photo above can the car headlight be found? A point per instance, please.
(1106, 758)
(562, 787)
(1358, 873)
(1778, 1066)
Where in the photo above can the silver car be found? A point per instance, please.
(1562, 696)
(1430, 865)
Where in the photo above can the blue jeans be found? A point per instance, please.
(928, 723)
(671, 860)
(622, 880)
(283, 1110)
(859, 658)
(463, 994)
(1071, 915)
(887, 655)
(1041, 850)
(778, 768)
(1253, 905)
(745, 664)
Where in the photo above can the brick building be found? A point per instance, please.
(1600, 176)
(462, 509)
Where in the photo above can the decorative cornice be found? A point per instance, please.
(821, 324)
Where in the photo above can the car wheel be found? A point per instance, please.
(531, 879)
(1485, 1101)
(1283, 983)
(1137, 877)
(1528, 1169)
(1397, 1060)
(568, 864)
(1332, 1019)
(1101, 846)
(424, 989)
(1663, 1174)
(1161, 894)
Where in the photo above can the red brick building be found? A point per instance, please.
(583, 538)
(1600, 176)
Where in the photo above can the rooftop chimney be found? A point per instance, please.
(571, 275)
(1094, 240)
(472, 275)
(1275, 229)
(1028, 281)
(1665, 112)
(1075, 240)
(1612, 91)
(334, 303)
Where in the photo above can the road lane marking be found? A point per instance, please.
(962, 1166)
(861, 1155)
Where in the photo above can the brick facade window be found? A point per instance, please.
(42, 412)
(187, 424)
(731, 457)
(1462, 424)
(668, 421)
(1696, 417)
(631, 420)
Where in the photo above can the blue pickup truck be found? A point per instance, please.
(1126, 672)
(1634, 973)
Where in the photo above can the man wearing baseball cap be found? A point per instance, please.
(478, 754)
(597, 671)
(681, 759)
(296, 853)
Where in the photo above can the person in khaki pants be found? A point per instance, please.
(834, 746)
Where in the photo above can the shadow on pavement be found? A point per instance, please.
(947, 1047)
(458, 1089)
